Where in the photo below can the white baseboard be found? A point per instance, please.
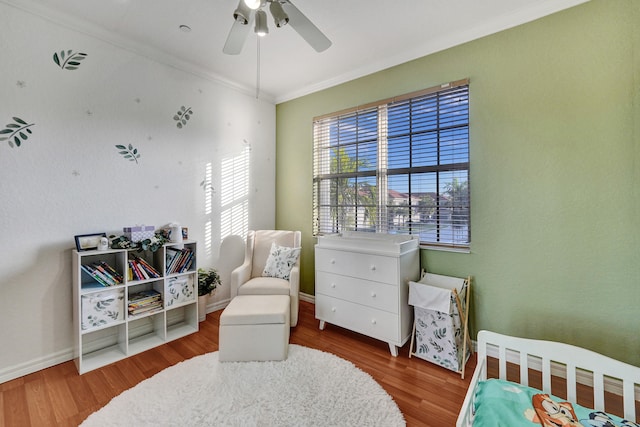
(307, 297)
(31, 366)
(218, 305)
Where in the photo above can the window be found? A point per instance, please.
(396, 166)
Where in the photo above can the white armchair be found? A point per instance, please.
(248, 279)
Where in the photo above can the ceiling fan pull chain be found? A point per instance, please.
(258, 69)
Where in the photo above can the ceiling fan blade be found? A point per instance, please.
(305, 27)
(237, 36)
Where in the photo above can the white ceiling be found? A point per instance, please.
(367, 35)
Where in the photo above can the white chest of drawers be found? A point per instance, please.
(362, 284)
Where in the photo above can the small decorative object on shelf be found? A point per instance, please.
(103, 245)
(153, 243)
(139, 233)
(175, 233)
(88, 242)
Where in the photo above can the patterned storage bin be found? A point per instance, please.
(138, 233)
(179, 290)
(101, 308)
(439, 328)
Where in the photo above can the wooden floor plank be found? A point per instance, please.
(39, 405)
(60, 395)
(2, 422)
(99, 386)
(16, 410)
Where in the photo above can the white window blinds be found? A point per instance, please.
(397, 166)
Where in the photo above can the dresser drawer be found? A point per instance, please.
(365, 266)
(377, 324)
(378, 295)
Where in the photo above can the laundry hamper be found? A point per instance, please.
(441, 325)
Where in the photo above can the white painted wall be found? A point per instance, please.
(68, 178)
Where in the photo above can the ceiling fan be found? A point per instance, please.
(283, 13)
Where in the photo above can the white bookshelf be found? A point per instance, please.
(112, 333)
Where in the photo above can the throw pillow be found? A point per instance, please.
(280, 262)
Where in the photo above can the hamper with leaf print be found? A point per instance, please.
(440, 331)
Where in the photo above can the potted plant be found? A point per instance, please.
(208, 281)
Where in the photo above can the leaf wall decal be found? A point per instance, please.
(17, 132)
(182, 116)
(72, 62)
(128, 152)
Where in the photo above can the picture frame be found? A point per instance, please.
(88, 242)
(185, 233)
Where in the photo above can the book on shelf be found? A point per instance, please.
(140, 269)
(94, 275)
(134, 274)
(103, 273)
(172, 255)
(142, 299)
(179, 260)
(151, 293)
(147, 267)
(143, 302)
(112, 271)
(145, 309)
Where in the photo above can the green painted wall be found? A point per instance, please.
(555, 173)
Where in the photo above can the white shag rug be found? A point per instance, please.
(310, 388)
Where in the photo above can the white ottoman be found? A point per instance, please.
(255, 327)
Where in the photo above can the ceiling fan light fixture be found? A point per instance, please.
(253, 4)
(261, 28)
(242, 13)
(279, 16)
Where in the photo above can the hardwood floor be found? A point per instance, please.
(426, 394)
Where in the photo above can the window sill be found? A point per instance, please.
(445, 248)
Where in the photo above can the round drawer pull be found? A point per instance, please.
(373, 321)
(333, 285)
(333, 309)
(373, 267)
(332, 261)
(373, 295)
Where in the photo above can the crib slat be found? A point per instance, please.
(629, 401)
(571, 383)
(524, 368)
(546, 375)
(503, 363)
(598, 390)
